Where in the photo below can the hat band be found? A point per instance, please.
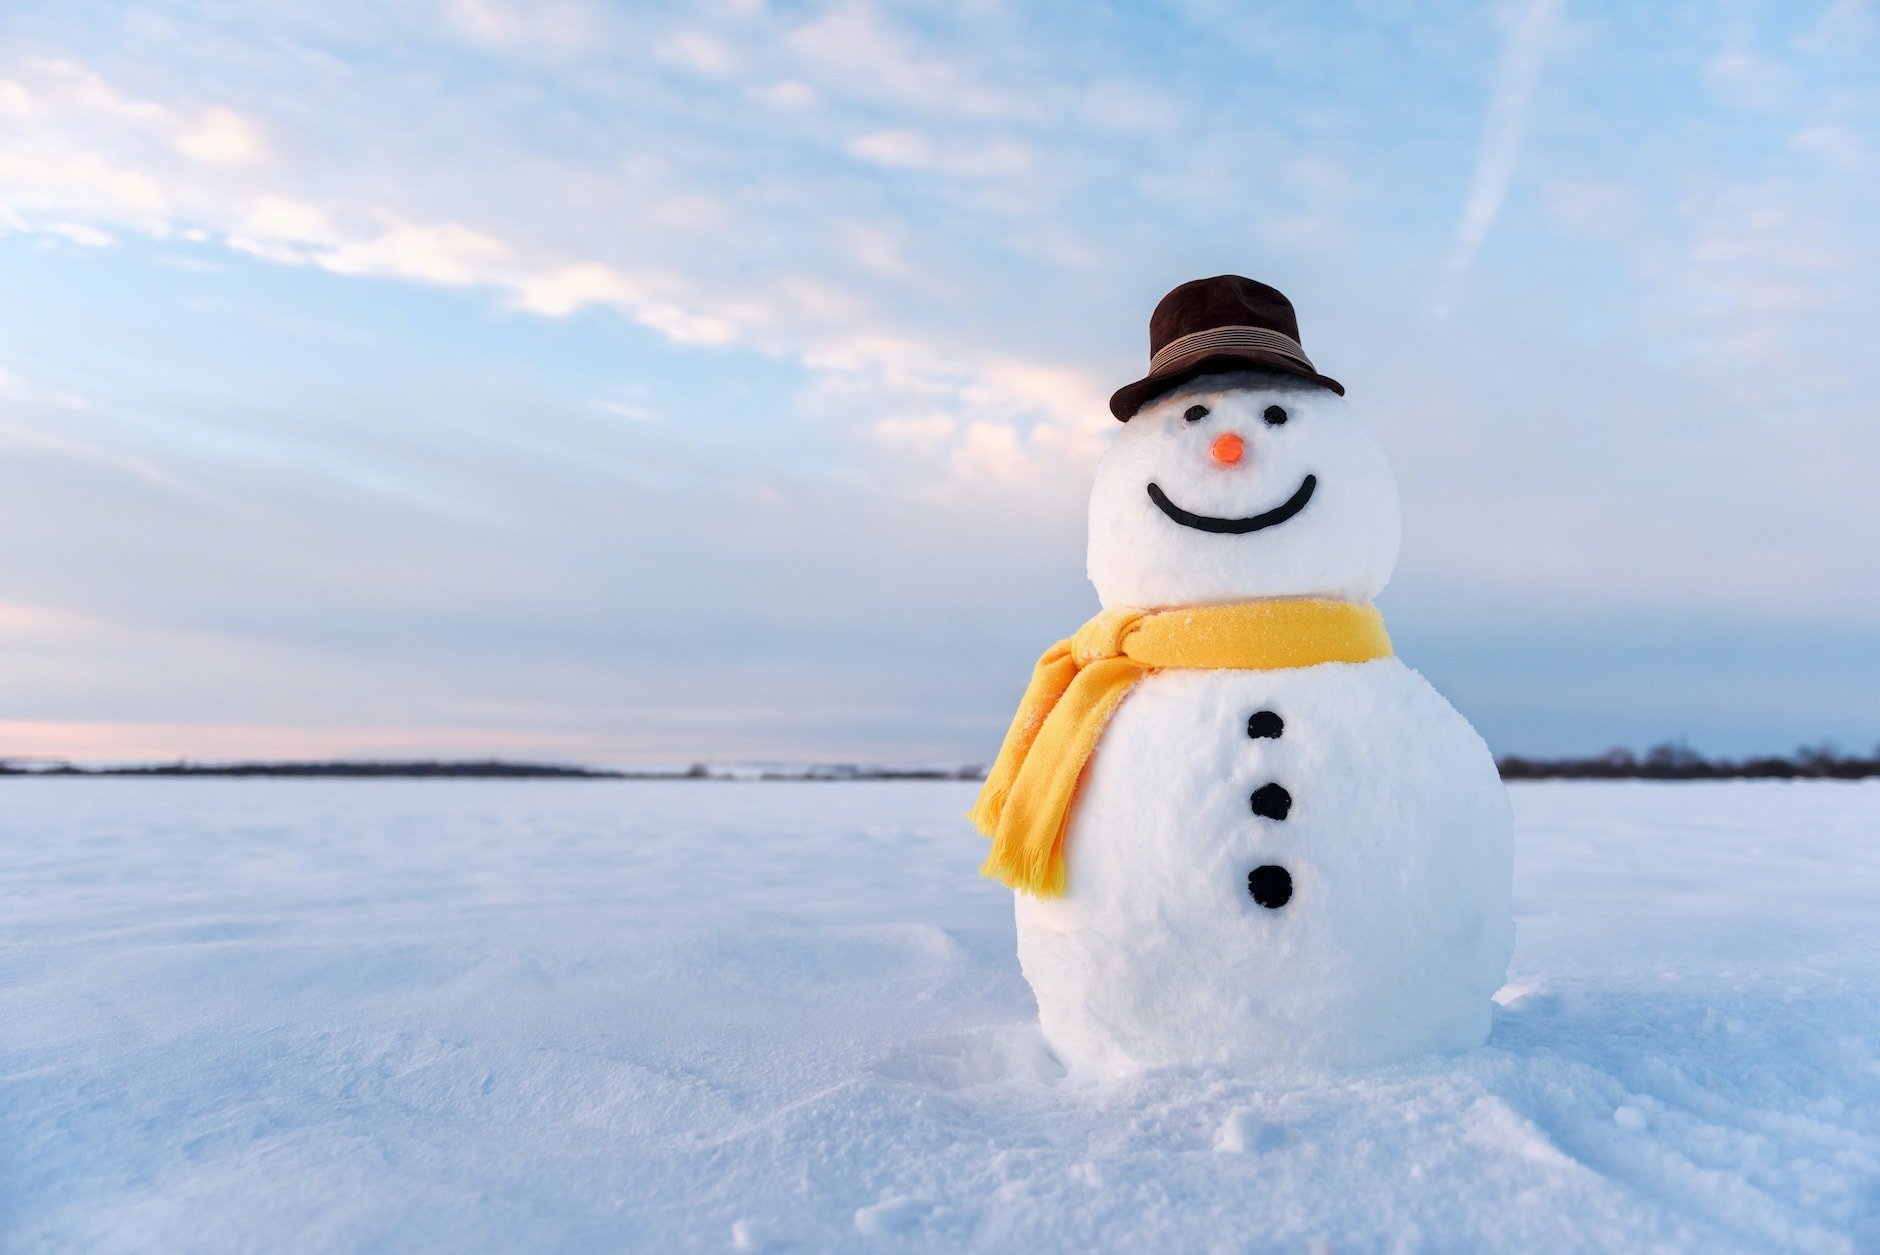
(1231, 340)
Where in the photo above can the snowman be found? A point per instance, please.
(1241, 833)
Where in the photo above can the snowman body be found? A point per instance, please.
(1304, 867)
(1382, 858)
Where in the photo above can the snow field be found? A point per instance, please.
(430, 1015)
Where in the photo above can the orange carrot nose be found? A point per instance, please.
(1227, 448)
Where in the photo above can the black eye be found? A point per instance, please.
(1274, 415)
(1196, 413)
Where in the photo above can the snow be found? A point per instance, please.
(1395, 847)
(428, 1015)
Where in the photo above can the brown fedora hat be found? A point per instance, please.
(1223, 323)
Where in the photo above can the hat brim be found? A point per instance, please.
(1131, 397)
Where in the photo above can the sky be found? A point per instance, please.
(638, 383)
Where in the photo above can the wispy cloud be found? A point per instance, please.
(1504, 130)
(99, 159)
(38, 420)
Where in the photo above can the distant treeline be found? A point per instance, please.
(486, 769)
(1678, 762)
(1665, 762)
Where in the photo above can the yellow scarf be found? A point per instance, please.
(1025, 805)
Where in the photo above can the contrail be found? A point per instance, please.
(1503, 130)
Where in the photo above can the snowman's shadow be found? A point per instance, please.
(1698, 1051)
(973, 1057)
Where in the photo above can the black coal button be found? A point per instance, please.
(1271, 886)
(1264, 723)
(1271, 801)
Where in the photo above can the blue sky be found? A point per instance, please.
(630, 383)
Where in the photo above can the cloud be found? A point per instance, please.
(1504, 128)
(80, 234)
(561, 25)
(449, 254)
(279, 222)
(789, 94)
(698, 52)
(661, 303)
(854, 51)
(912, 150)
(39, 421)
(222, 137)
(622, 409)
(1744, 80)
(95, 165)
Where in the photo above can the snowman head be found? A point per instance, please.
(1239, 486)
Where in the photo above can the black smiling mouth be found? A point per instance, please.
(1236, 527)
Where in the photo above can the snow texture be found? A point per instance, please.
(1394, 842)
(445, 1015)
